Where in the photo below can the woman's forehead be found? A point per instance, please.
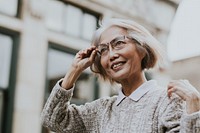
(111, 33)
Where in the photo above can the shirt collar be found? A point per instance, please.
(138, 93)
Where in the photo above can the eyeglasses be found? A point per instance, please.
(116, 44)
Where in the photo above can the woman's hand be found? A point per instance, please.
(82, 60)
(187, 92)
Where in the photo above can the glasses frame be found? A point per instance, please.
(117, 39)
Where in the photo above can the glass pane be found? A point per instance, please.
(5, 59)
(58, 63)
(73, 16)
(54, 15)
(9, 7)
(89, 26)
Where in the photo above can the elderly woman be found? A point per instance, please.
(121, 50)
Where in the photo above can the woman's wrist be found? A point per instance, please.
(70, 78)
(193, 105)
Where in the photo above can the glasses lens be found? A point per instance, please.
(102, 48)
(118, 42)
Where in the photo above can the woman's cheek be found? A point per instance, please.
(103, 63)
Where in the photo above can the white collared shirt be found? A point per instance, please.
(138, 93)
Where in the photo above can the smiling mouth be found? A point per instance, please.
(115, 66)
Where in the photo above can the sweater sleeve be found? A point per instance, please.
(174, 118)
(60, 116)
(190, 123)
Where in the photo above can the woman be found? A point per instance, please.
(121, 51)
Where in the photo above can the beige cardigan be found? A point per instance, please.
(153, 113)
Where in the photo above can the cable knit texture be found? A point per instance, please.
(153, 113)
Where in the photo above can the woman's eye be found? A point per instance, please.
(119, 43)
(103, 50)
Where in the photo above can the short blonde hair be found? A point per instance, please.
(148, 44)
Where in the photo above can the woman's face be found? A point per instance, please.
(119, 56)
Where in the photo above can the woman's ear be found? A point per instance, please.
(142, 52)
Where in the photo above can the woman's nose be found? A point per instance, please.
(112, 54)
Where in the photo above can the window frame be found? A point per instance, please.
(9, 92)
(61, 48)
(84, 11)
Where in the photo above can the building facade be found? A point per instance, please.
(38, 40)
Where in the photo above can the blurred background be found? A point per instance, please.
(39, 38)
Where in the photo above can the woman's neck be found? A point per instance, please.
(131, 84)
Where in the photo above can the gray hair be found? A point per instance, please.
(147, 43)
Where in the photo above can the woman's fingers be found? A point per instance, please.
(85, 58)
(92, 56)
(183, 89)
(85, 53)
(178, 87)
(181, 93)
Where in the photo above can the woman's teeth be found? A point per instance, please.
(117, 65)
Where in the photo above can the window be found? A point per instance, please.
(58, 62)
(5, 59)
(9, 7)
(71, 20)
(7, 80)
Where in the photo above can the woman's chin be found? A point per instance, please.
(119, 76)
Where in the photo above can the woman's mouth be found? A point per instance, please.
(117, 65)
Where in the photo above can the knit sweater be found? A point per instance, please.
(154, 112)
